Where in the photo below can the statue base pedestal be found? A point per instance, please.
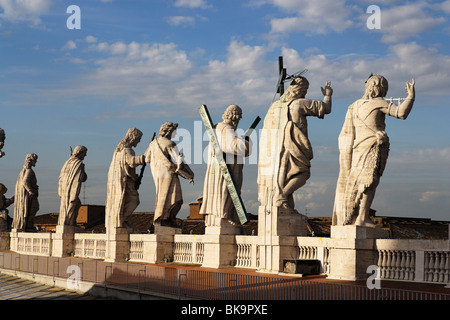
(118, 244)
(159, 246)
(354, 250)
(220, 226)
(281, 222)
(63, 241)
(278, 229)
(5, 240)
(219, 251)
(162, 230)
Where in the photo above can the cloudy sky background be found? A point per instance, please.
(141, 63)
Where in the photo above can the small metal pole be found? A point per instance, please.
(139, 281)
(179, 284)
(15, 264)
(32, 266)
(56, 261)
(106, 268)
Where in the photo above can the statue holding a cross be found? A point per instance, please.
(285, 150)
(224, 209)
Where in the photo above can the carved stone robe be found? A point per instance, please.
(285, 150)
(364, 149)
(216, 198)
(26, 203)
(122, 198)
(70, 179)
(167, 183)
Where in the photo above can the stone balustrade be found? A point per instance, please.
(414, 260)
(398, 259)
(88, 245)
(39, 244)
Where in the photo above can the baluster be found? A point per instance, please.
(402, 265)
(388, 265)
(436, 267)
(441, 266)
(430, 266)
(393, 264)
(383, 264)
(427, 266)
(446, 266)
(412, 266)
(325, 260)
(407, 266)
(397, 264)
(379, 262)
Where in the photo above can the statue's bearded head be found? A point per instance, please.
(232, 115)
(376, 86)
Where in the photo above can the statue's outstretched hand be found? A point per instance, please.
(327, 91)
(410, 87)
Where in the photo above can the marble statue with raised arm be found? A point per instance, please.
(122, 197)
(285, 151)
(364, 149)
(26, 203)
(167, 163)
(71, 177)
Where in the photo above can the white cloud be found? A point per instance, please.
(244, 77)
(432, 196)
(143, 73)
(181, 21)
(444, 6)
(427, 155)
(91, 39)
(311, 16)
(191, 3)
(70, 45)
(399, 22)
(402, 22)
(311, 196)
(24, 10)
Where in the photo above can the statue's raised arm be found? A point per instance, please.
(403, 109)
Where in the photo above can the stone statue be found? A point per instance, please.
(4, 204)
(2, 141)
(285, 150)
(122, 196)
(70, 180)
(166, 164)
(26, 203)
(364, 149)
(217, 203)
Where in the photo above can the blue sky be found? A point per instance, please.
(141, 63)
